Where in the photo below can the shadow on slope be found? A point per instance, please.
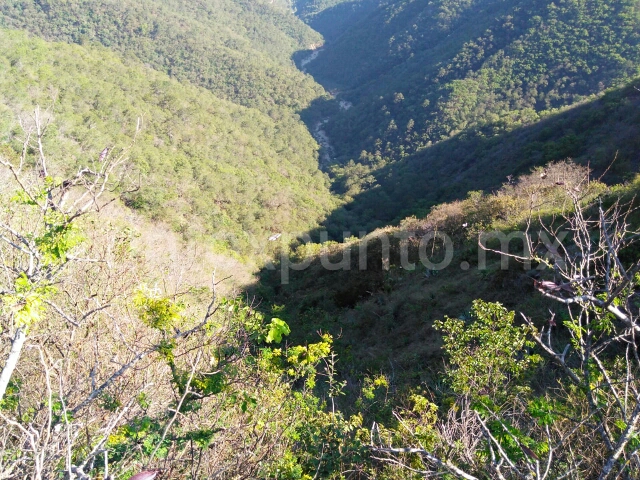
(594, 133)
(383, 318)
(382, 315)
(332, 22)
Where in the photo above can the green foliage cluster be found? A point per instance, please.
(238, 49)
(256, 384)
(206, 166)
(54, 238)
(156, 311)
(484, 353)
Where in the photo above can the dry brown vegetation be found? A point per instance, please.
(120, 351)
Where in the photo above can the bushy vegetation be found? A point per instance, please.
(120, 375)
(386, 312)
(514, 376)
(120, 366)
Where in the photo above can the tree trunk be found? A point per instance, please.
(12, 360)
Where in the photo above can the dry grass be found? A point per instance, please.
(174, 262)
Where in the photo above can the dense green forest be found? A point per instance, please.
(602, 133)
(206, 166)
(421, 74)
(241, 51)
(319, 239)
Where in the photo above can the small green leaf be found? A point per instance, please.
(277, 329)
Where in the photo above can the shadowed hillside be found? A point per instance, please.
(332, 18)
(382, 315)
(602, 133)
(464, 77)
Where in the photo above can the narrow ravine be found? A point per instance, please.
(327, 152)
(315, 52)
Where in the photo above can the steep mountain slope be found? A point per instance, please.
(383, 316)
(438, 42)
(421, 73)
(603, 133)
(207, 166)
(386, 315)
(123, 356)
(334, 17)
(238, 49)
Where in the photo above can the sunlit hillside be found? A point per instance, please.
(319, 239)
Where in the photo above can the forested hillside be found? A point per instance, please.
(240, 50)
(602, 133)
(423, 73)
(207, 166)
(385, 313)
(332, 18)
(390, 336)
